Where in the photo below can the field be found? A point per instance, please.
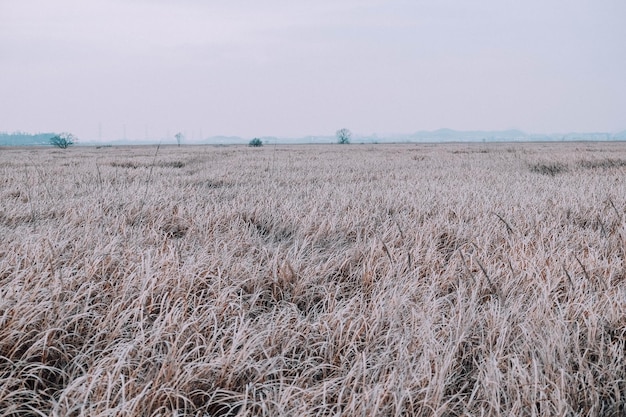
(360, 280)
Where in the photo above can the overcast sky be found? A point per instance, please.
(287, 68)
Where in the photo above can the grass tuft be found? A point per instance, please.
(548, 168)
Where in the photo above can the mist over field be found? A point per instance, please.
(436, 136)
(391, 280)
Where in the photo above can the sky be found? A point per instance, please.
(147, 69)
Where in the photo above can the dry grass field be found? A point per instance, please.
(361, 280)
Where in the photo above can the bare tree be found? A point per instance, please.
(343, 136)
(179, 138)
(63, 140)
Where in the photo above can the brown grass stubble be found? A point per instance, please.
(313, 280)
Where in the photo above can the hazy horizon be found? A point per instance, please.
(147, 69)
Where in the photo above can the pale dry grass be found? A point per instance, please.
(417, 280)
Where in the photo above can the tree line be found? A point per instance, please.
(24, 139)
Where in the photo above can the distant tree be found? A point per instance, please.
(343, 136)
(63, 140)
(179, 138)
(256, 142)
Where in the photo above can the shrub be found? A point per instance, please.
(256, 142)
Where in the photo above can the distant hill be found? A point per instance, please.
(513, 135)
(449, 135)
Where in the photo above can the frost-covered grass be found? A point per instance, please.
(353, 280)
